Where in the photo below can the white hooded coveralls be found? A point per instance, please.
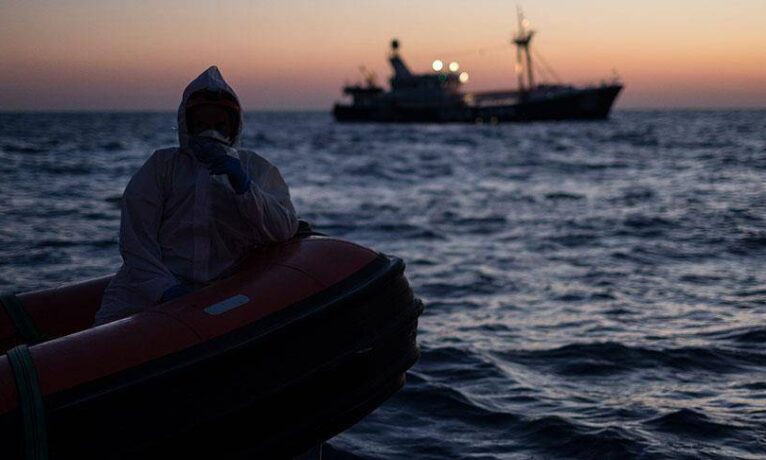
(180, 225)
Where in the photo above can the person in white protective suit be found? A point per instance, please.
(190, 213)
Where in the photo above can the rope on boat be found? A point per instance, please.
(31, 404)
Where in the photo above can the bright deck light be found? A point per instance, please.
(463, 77)
(437, 65)
(454, 66)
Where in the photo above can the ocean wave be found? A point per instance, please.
(689, 422)
(642, 138)
(24, 148)
(113, 146)
(450, 402)
(749, 242)
(611, 358)
(563, 438)
(72, 243)
(563, 196)
(742, 335)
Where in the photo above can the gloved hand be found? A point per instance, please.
(207, 149)
(232, 167)
(174, 292)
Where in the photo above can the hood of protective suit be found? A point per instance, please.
(212, 81)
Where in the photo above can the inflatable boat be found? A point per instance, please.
(302, 342)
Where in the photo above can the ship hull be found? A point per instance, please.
(575, 104)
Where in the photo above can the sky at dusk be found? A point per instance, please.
(289, 54)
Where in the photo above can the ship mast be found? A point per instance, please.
(523, 56)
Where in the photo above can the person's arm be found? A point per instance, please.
(142, 206)
(266, 204)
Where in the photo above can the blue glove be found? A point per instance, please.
(232, 167)
(174, 292)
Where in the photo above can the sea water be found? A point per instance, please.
(592, 289)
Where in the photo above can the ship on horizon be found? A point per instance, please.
(437, 97)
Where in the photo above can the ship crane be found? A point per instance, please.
(523, 56)
(370, 78)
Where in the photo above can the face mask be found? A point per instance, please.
(215, 135)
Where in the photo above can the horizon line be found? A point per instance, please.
(316, 110)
